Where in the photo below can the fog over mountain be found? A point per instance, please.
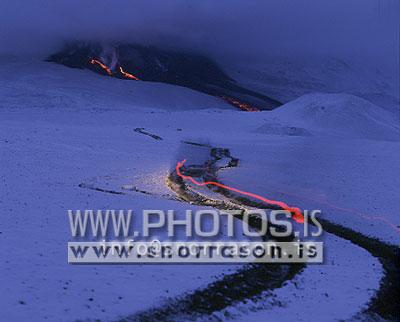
(257, 29)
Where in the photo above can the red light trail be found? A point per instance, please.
(128, 75)
(363, 215)
(298, 216)
(105, 67)
(353, 211)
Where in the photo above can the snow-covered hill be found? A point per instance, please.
(340, 115)
(287, 78)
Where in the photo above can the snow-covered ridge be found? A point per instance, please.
(339, 115)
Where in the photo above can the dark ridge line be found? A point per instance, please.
(85, 186)
(134, 189)
(197, 144)
(145, 192)
(142, 131)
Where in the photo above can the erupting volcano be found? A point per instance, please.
(194, 71)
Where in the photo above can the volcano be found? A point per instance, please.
(149, 63)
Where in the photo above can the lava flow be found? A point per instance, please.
(297, 214)
(243, 106)
(105, 67)
(128, 75)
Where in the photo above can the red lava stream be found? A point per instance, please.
(109, 71)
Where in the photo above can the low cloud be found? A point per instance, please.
(231, 28)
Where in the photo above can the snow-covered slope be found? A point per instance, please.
(287, 78)
(340, 115)
(61, 127)
(47, 85)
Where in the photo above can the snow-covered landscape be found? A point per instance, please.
(73, 138)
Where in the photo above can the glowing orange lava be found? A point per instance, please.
(105, 67)
(297, 214)
(128, 75)
(243, 106)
